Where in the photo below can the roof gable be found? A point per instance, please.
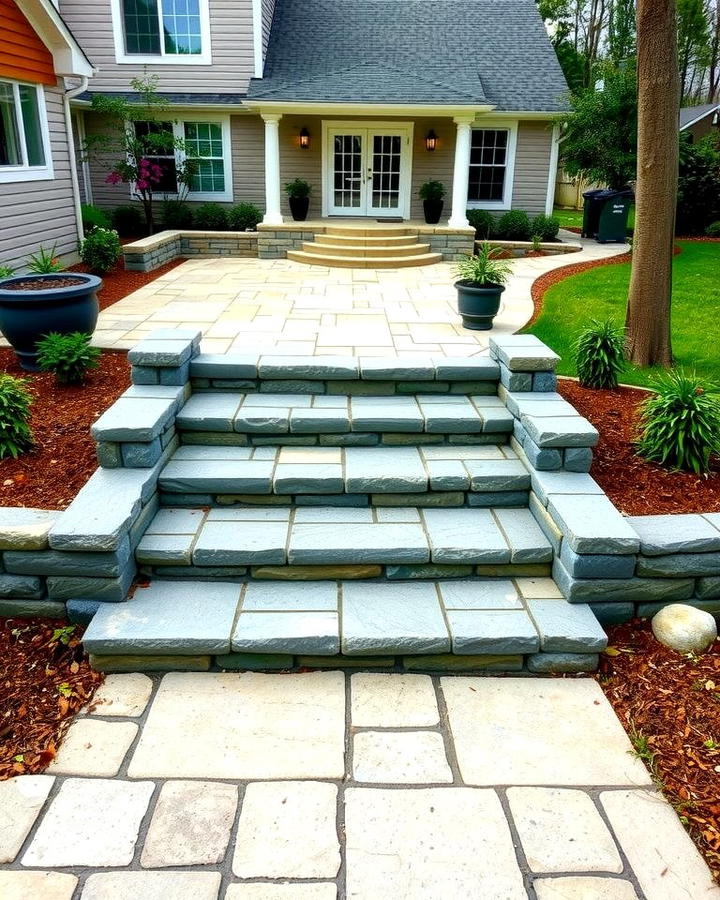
(484, 52)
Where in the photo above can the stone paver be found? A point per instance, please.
(399, 843)
(21, 800)
(268, 726)
(562, 831)
(90, 823)
(516, 713)
(31, 885)
(574, 887)
(122, 695)
(283, 307)
(295, 891)
(191, 824)
(288, 830)
(386, 701)
(658, 848)
(153, 886)
(401, 757)
(93, 747)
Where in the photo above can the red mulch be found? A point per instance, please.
(119, 283)
(50, 476)
(635, 486)
(45, 679)
(672, 703)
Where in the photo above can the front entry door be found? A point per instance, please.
(368, 171)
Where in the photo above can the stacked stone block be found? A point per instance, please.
(152, 252)
(453, 245)
(218, 243)
(273, 243)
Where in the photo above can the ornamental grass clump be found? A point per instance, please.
(680, 424)
(485, 267)
(69, 356)
(15, 400)
(600, 354)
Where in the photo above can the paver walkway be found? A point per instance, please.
(322, 785)
(255, 305)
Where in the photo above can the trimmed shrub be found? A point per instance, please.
(713, 230)
(698, 197)
(546, 226)
(128, 221)
(514, 226)
(211, 217)
(69, 356)
(15, 434)
(93, 217)
(176, 214)
(600, 354)
(101, 250)
(483, 222)
(680, 425)
(244, 217)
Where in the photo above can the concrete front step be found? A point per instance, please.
(225, 541)
(346, 476)
(319, 248)
(342, 240)
(379, 231)
(312, 414)
(496, 624)
(366, 262)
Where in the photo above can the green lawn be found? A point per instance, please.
(601, 293)
(573, 218)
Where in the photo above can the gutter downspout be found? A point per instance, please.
(67, 97)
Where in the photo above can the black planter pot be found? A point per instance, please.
(27, 316)
(433, 210)
(478, 305)
(299, 208)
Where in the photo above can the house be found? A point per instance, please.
(700, 121)
(365, 99)
(41, 68)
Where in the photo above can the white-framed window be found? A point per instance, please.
(24, 137)
(161, 32)
(492, 166)
(205, 140)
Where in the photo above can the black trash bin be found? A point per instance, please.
(605, 215)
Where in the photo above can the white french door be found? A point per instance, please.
(367, 170)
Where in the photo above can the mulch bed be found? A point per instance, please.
(119, 283)
(635, 486)
(50, 476)
(45, 679)
(670, 706)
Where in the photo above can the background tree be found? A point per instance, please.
(693, 36)
(648, 311)
(621, 32)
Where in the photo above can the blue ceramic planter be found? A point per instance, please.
(26, 316)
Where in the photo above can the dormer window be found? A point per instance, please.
(162, 31)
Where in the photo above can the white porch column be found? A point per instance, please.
(272, 216)
(461, 172)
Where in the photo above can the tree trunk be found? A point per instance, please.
(648, 312)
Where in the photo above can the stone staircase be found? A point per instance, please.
(330, 512)
(366, 248)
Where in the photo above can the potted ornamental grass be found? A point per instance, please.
(298, 192)
(431, 193)
(481, 281)
(45, 300)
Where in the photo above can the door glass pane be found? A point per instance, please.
(9, 140)
(142, 29)
(386, 157)
(347, 161)
(31, 124)
(181, 26)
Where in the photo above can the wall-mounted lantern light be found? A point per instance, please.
(304, 139)
(430, 140)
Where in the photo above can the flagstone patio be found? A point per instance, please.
(331, 785)
(280, 306)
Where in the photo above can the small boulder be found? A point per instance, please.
(684, 628)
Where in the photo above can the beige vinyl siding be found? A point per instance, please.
(532, 166)
(247, 134)
(268, 10)
(436, 165)
(36, 214)
(231, 39)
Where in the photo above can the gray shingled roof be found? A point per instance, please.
(412, 51)
(691, 113)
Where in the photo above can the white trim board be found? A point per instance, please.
(709, 112)
(257, 32)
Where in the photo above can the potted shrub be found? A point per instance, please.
(431, 193)
(298, 192)
(481, 281)
(46, 300)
